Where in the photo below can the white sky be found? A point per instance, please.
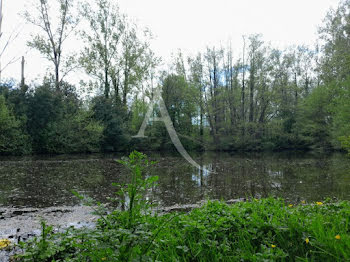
(190, 25)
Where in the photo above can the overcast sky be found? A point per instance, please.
(190, 25)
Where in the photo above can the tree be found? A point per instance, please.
(214, 106)
(49, 42)
(197, 82)
(334, 34)
(334, 68)
(114, 55)
(75, 133)
(13, 140)
(105, 111)
(255, 64)
(6, 44)
(101, 57)
(137, 59)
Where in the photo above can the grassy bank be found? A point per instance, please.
(261, 230)
(256, 230)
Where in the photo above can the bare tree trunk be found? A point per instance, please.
(106, 83)
(201, 129)
(243, 90)
(57, 77)
(126, 81)
(115, 82)
(22, 72)
(251, 92)
(296, 89)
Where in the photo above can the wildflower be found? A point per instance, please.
(319, 203)
(104, 258)
(4, 243)
(273, 246)
(307, 240)
(290, 205)
(337, 237)
(303, 201)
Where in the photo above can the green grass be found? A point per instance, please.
(262, 230)
(257, 230)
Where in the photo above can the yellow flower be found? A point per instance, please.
(104, 258)
(303, 201)
(307, 241)
(319, 203)
(4, 243)
(273, 246)
(337, 237)
(290, 205)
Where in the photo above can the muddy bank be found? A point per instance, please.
(22, 224)
(16, 223)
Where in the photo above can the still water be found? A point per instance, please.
(44, 181)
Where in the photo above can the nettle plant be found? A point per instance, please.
(132, 196)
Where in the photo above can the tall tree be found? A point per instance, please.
(137, 58)
(213, 60)
(196, 79)
(115, 54)
(335, 33)
(101, 57)
(49, 42)
(255, 63)
(243, 86)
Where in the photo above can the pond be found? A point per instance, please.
(44, 181)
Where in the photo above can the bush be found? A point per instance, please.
(78, 133)
(13, 139)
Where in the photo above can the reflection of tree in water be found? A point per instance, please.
(43, 184)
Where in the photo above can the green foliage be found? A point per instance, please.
(314, 119)
(260, 230)
(78, 133)
(13, 139)
(112, 116)
(345, 143)
(268, 99)
(58, 125)
(44, 107)
(53, 32)
(115, 54)
(137, 164)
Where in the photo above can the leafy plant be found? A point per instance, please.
(133, 194)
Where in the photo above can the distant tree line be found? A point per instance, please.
(260, 99)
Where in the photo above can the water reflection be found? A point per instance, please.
(48, 181)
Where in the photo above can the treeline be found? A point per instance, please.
(260, 98)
